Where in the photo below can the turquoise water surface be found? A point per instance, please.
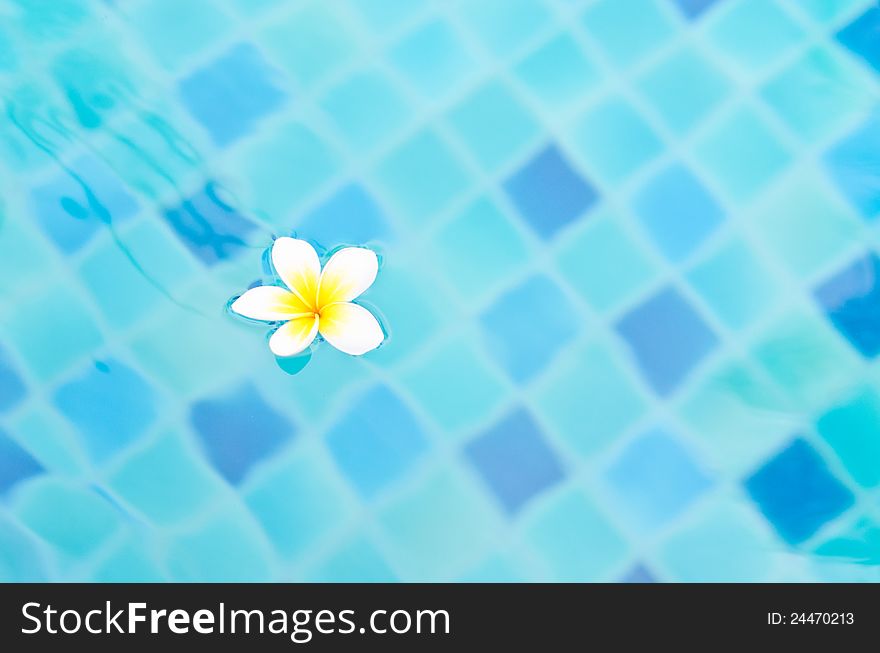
(629, 278)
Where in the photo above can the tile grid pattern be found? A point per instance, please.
(574, 388)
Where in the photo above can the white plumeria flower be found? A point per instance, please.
(316, 301)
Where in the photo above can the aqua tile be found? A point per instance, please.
(590, 387)
(512, 336)
(514, 460)
(422, 176)
(16, 463)
(350, 216)
(493, 125)
(495, 569)
(72, 518)
(20, 558)
(286, 168)
(166, 481)
(175, 31)
(437, 526)
(504, 25)
(12, 387)
(131, 561)
(238, 429)
(615, 140)
(211, 230)
(382, 15)
(558, 72)
(860, 37)
(655, 479)
(549, 192)
(806, 225)
(818, 93)
(724, 545)
(44, 434)
(232, 93)
(433, 58)
(462, 253)
(847, 163)
(298, 502)
(80, 201)
(357, 560)
(735, 284)
(850, 299)
(367, 109)
(827, 11)
(797, 492)
(805, 357)
(33, 330)
(668, 339)
(605, 263)
(454, 385)
(377, 441)
(852, 429)
(311, 43)
(858, 543)
(110, 405)
(685, 88)
(628, 30)
(225, 549)
(677, 211)
(24, 255)
(575, 540)
(741, 154)
(754, 33)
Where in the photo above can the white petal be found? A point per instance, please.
(293, 337)
(350, 328)
(296, 262)
(348, 273)
(269, 304)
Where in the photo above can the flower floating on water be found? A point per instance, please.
(315, 300)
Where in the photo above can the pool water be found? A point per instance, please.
(629, 276)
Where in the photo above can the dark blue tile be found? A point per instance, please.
(515, 460)
(209, 228)
(549, 193)
(638, 574)
(527, 326)
(16, 464)
(693, 9)
(239, 429)
(377, 441)
(677, 211)
(111, 405)
(851, 299)
(862, 36)
(74, 205)
(230, 94)
(350, 217)
(851, 165)
(667, 337)
(797, 493)
(12, 388)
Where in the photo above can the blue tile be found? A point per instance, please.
(694, 9)
(667, 337)
(16, 464)
(638, 574)
(210, 229)
(797, 493)
(521, 343)
(111, 406)
(377, 441)
(656, 479)
(351, 216)
(848, 163)
(232, 93)
(860, 36)
(74, 205)
(239, 429)
(851, 299)
(677, 211)
(12, 387)
(549, 193)
(514, 459)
